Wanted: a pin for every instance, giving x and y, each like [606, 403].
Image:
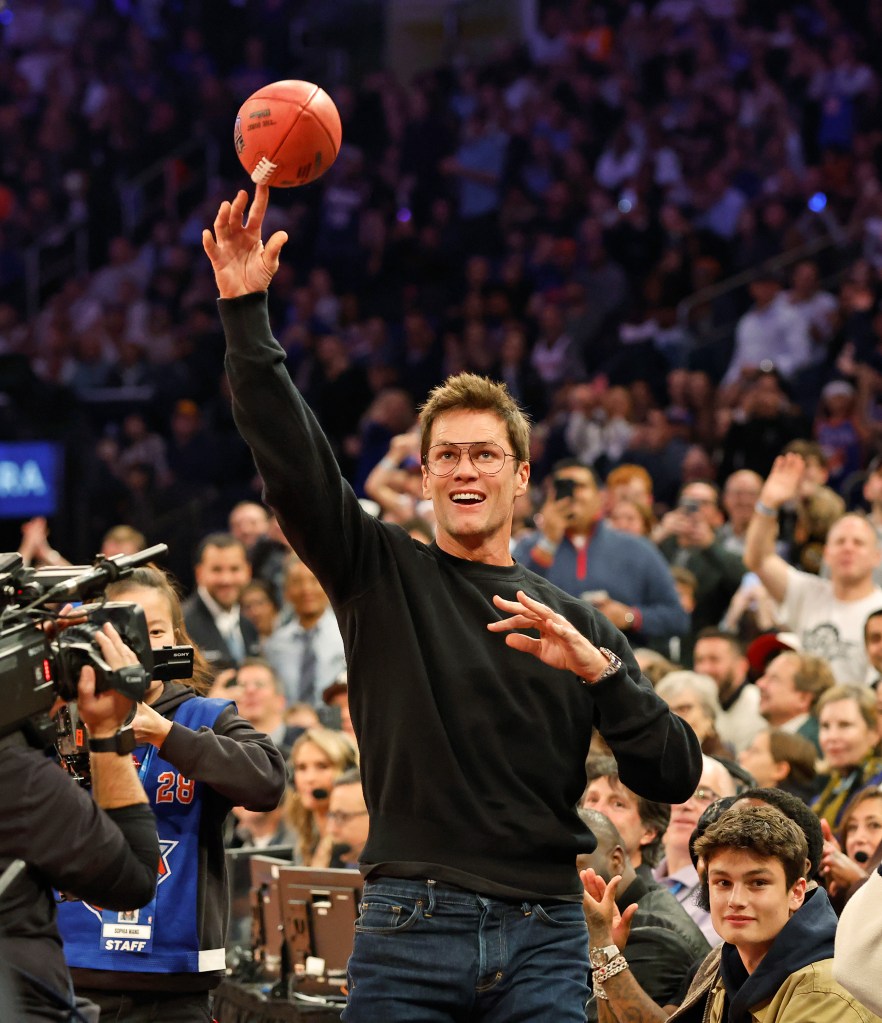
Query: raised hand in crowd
[782, 483]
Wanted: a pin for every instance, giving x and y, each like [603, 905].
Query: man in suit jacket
[212, 614]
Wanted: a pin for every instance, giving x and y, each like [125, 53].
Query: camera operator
[100, 847]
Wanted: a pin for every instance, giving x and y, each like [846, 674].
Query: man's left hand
[560, 644]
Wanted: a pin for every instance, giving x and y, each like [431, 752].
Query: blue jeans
[430, 953]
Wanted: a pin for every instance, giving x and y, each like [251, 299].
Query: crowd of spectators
[541, 215]
[546, 216]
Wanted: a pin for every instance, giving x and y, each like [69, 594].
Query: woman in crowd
[695, 698]
[849, 736]
[630, 516]
[197, 759]
[318, 757]
[783, 760]
[848, 861]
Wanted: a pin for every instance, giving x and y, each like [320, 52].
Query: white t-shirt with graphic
[827, 627]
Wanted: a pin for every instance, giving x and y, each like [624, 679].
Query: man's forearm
[759, 541]
[628, 1002]
[115, 781]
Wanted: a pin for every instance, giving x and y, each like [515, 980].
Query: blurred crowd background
[659, 222]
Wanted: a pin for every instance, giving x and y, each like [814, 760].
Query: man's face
[613, 800]
[740, 495]
[348, 818]
[257, 698]
[780, 700]
[248, 524]
[717, 657]
[750, 901]
[223, 571]
[706, 498]
[304, 593]
[341, 700]
[873, 640]
[852, 551]
[684, 816]
[474, 510]
[587, 500]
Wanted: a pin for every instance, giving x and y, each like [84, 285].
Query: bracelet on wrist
[600, 976]
[766, 510]
[388, 463]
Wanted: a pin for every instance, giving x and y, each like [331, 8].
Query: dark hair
[262, 662]
[793, 807]
[873, 614]
[264, 587]
[574, 463]
[153, 578]
[652, 815]
[807, 449]
[761, 830]
[712, 632]
[352, 776]
[222, 540]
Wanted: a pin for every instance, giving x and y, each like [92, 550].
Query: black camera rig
[41, 657]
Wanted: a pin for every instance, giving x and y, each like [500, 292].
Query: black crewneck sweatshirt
[472, 753]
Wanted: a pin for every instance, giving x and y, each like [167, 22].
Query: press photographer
[102, 847]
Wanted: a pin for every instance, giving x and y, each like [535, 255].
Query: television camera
[41, 656]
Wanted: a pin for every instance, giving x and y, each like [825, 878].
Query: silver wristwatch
[600, 957]
[615, 662]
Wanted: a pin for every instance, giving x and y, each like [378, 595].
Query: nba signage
[29, 478]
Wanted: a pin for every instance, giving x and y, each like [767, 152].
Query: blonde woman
[317, 757]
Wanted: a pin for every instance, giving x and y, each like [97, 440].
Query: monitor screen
[30, 478]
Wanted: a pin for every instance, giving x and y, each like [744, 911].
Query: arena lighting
[403, 216]
[817, 202]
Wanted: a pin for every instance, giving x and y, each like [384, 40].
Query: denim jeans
[427, 953]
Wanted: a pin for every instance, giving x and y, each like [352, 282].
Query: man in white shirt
[827, 615]
[307, 653]
[770, 331]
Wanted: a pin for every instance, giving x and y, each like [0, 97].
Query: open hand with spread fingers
[242, 263]
[560, 644]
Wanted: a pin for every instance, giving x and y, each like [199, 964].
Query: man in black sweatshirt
[472, 753]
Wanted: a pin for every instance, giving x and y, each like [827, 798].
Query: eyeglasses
[488, 458]
[344, 816]
[703, 794]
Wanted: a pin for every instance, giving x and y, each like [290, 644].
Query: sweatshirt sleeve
[238, 762]
[62, 833]
[658, 754]
[317, 509]
[857, 960]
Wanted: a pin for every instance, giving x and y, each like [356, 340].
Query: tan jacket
[809, 995]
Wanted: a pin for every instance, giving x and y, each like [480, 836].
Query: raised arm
[781, 485]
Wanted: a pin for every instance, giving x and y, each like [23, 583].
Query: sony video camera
[40, 661]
